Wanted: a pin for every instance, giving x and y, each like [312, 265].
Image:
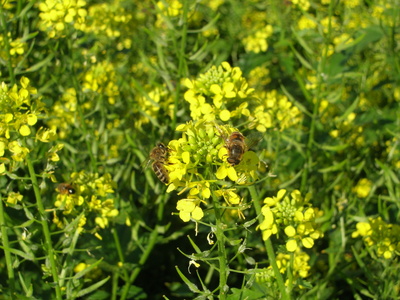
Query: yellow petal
[307, 242]
[291, 245]
[24, 130]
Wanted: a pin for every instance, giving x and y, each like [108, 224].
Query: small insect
[237, 145]
[236, 148]
[66, 189]
[159, 155]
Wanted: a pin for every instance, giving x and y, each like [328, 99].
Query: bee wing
[145, 164]
[253, 139]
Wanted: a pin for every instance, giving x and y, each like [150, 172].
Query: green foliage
[280, 122]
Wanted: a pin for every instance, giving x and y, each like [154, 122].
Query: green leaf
[88, 269]
[334, 167]
[40, 64]
[92, 287]
[189, 284]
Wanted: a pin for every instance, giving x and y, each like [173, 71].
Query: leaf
[88, 269]
[302, 60]
[302, 42]
[334, 167]
[92, 287]
[40, 64]
[189, 284]
[27, 289]
[27, 256]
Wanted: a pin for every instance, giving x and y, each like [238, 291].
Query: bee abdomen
[160, 171]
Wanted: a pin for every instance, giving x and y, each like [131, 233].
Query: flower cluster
[92, 201]
[171, 8]
[64, 113]
[198, 160]
[363, 188]
[109, 22]
[221, 93]
[275, 111]
[257, 41]
[384, 238]
[295, 215]
[101, 78]
[56, 15]
[300, 268]
[17, 48]
[19, 112]
[149, 106]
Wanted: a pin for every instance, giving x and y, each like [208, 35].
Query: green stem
[269, 247]
[152, 242]
[48, 246]
[315, 113]
[4, 28]
[7, 253]
[119, 250]
[182, 62]
[222, 258]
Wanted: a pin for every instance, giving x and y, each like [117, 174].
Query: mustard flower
[294, 215]
[363, 188]
[199, 159]
[55, 15]
[111, 22]
[300, 266]
[64, 113]
[14, 198]
[149, 106]
[302, 4]
[217, 93]
[17, 47]
[275, 111]
[101, 78]
[380, 236]
[93, 202]
[190, 209]
[257, 41]
[306, 22]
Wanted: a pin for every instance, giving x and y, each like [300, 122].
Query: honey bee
[236, 148]
[66, 189]
[237, 145]
[159, 155]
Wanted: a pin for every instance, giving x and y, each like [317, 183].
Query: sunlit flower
[363, 188]
[55, 15]
[93, 202]
[384, 238]
[190, 209]
[217, 93]
[294, 215]
[14, 198]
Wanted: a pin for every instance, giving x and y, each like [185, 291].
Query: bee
[66, 189]
[159, 155]
[237, 145]
[236, 148]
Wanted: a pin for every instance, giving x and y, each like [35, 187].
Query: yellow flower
[189, 208]
[13, 198]
[363, 188]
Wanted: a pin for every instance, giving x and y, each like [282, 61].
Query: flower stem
[152, 242]
[220, 236]
[7, 253]
[269, 247]
[48, 246]
[3, 23]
